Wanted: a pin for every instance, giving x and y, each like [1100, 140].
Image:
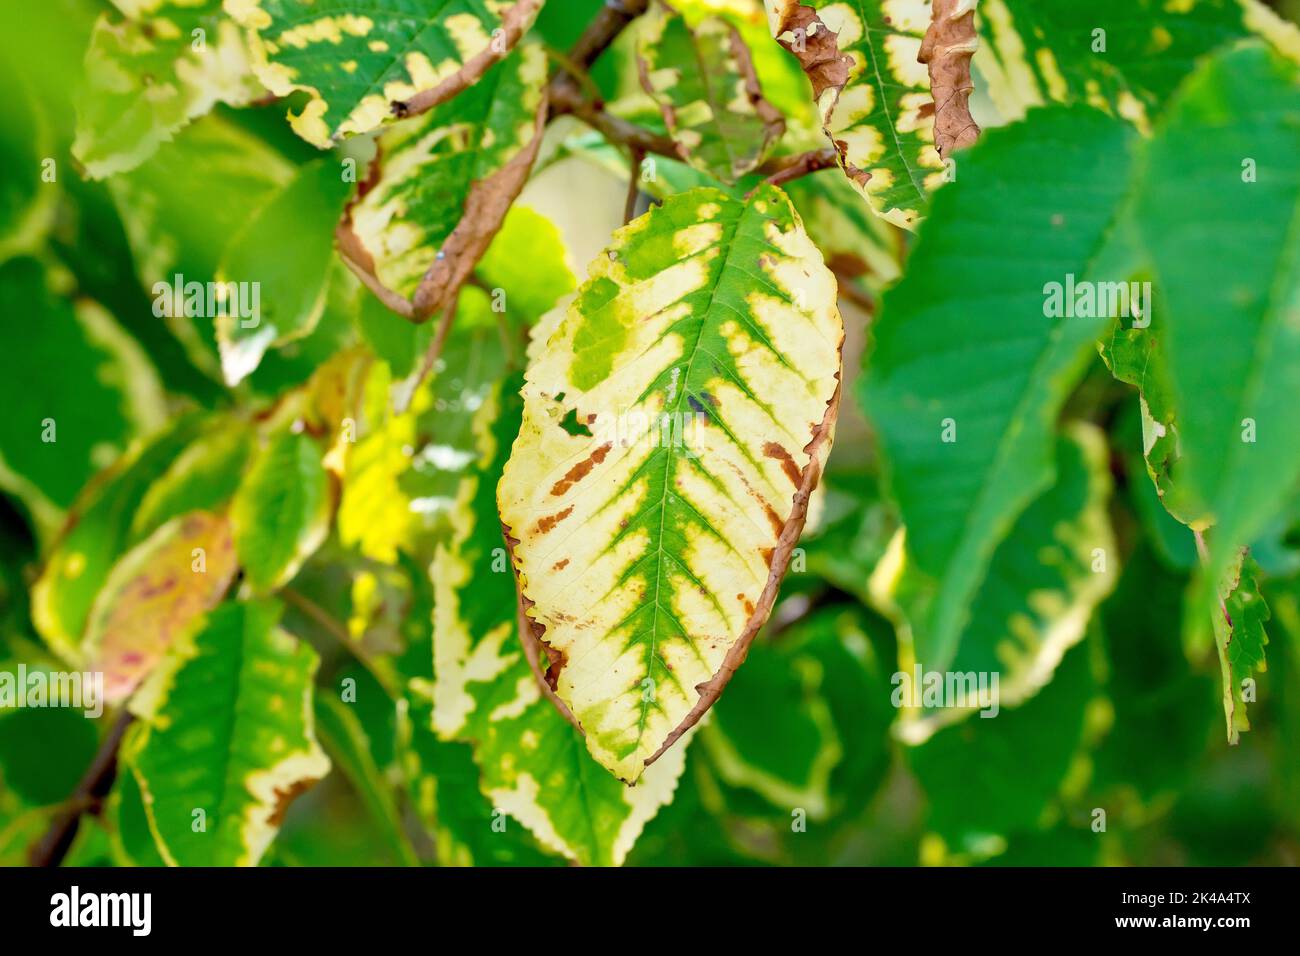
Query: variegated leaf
[864, 60]
[1240, 638]
[361, 64]
[226, 738]
[149, 75]
[154, 595]
[675, 424]
[1125, 56]
[702, 77]
[1057, 563]
[533, 761]
[281, 512]
[446, 181]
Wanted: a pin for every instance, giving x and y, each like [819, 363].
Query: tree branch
[94, 785]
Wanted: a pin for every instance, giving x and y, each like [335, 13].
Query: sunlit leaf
[675, 424]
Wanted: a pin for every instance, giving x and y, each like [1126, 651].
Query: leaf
[281, 513]
[1233, 393]
[964, 770]
[203, 477]
[649, 555]
[96, 536]
[873, 94]
[227, 730]
[1127, 56]
[361, 64]
[702, 77]
[53, 440]
[346, 742]
[149, 75]
[445, 183]
[533, 762]
[966, 347]
[180, 209]
[283, 256]
[27, 200]
[946, 50]
[1240, 638]
[1045, 578]
[154, 595]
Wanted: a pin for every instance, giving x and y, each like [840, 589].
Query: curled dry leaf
[866, 61]
[949, 44]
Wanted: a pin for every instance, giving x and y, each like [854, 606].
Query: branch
[94, 785]
[783, 169]
[604, 29]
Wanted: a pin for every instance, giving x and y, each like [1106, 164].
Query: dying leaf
[534, 763]
[702, 77]
[675, 425]
[362, 64]
[154, 595]
[946, 51]
[873, 92]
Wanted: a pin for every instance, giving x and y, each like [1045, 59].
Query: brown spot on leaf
[775, 450]
[285, 797]
[560, 565]
[580, 470]
[550, 521]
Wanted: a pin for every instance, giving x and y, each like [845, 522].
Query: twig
[633, 185]
[94, 785]
[785, 168]
[604, 29]
[327, 623]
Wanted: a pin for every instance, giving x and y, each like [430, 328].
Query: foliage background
[1131, 721]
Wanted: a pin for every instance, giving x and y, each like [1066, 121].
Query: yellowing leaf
[675, 424]
[154, 595]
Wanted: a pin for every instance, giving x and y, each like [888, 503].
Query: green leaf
[356, 60]
[702, 78]
[151, 74]
[965, 769]
[226, 738]
[1240, 638]
[440, 175]
[1043, 582]
[1239, 114]
[873, 91]
[203, 477]
[27, 196]
[181, 208]
[347, 744]
[533, 761]
[970, 367]
[805, 723]
[97, 535]
[52, 439]
[281, 513]
[1126, 56]
[283, 257]
[154, 595]
[653, 508]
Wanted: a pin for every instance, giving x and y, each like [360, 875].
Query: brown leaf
[947, 49]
